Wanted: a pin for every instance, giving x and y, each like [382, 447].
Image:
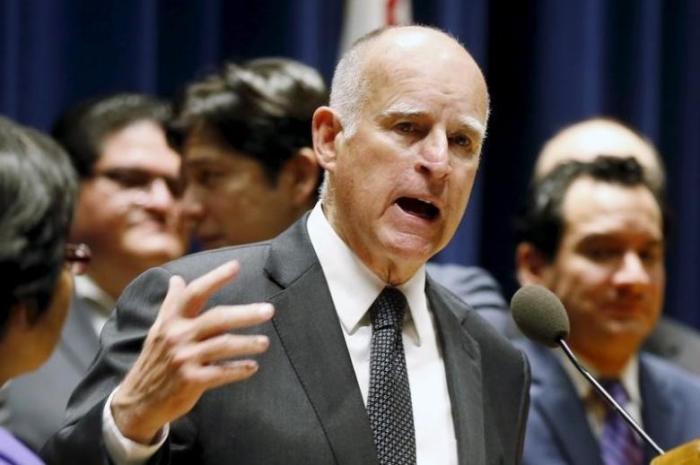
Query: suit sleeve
[80, 439]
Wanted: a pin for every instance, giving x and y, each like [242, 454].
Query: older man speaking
[365, 360]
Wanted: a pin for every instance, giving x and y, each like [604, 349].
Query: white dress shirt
[103, 304]
[353, 288]
[595, 407]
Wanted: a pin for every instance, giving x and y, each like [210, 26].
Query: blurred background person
[594, 233]
[38, 187]
[128, 214]
[582, 141]
[245, 136]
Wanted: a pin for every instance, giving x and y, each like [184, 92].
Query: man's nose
[632, 271]
[159, 195]
[434, 156]
[192, 207]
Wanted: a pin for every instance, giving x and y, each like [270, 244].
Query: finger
[173, 298]
[212, 376]
[225, 318]
[201, 289]
[223, 348]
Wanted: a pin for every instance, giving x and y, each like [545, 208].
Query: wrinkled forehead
[419, 71]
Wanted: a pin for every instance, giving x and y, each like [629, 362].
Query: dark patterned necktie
[619, 445]
[389, 398]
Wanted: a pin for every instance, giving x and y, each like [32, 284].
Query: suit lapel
[78, 340]
[311, 334]
[555, 397]
[659, 413]
[463, 370]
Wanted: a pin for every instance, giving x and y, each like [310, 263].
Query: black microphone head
[540, 315]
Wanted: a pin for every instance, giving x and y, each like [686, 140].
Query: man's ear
[299, 176]
[532, 266]
[325, 128]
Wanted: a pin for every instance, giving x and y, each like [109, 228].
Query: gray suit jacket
[37, 401]
[670, 339]
[558, 432]
[304, 405]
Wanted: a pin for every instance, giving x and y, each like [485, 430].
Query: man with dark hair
[245, 136]
[38, 188]
[365, 361]
[127, 213]
[594, 234]
[581, 141]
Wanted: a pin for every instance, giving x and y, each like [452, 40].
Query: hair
[38, 188]
[82, 129]
[262, 108]
[541, 222]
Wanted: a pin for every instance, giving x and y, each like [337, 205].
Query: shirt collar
[629, 378]
[353, 286]
[88, 289]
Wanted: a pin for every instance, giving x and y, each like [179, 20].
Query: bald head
[376, 58]
[404, 132]
[586, 140]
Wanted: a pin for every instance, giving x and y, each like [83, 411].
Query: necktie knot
[616, 389]
[388, 309]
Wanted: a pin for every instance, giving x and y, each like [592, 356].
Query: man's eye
[405, 127]
[461, 140]
[206, 177]
[127, 179]
[603, 253]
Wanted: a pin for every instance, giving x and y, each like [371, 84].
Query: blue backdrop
[547, 62]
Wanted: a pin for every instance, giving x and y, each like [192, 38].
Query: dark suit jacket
[670, 339]
[558, 432]
[37, 401]
[304, 405]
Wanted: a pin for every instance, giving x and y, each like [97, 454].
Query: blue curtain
[548, 63]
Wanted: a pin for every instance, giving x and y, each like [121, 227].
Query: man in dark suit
[582, 141]
[400, 146]
[593, 233]
[128, 214]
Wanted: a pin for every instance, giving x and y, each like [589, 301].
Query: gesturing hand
[187, 352]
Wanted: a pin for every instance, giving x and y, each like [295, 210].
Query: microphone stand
[630, 421]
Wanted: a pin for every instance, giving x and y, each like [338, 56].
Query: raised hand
[187, 352]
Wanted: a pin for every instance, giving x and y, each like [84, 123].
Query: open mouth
[419, 208]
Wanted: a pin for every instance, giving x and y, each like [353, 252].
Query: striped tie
[619, 445]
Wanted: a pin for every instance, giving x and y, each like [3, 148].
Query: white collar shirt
[595, 409]
[102, 304]
[353, 288]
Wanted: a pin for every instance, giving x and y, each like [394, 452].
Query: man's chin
[157, 249]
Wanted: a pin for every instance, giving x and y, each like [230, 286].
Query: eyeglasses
[129, 178]
[77, 257]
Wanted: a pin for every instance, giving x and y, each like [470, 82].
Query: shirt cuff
[122, 450]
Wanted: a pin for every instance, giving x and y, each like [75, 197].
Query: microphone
[541, 316]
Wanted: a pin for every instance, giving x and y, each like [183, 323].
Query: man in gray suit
[127, 213]
[400, 146]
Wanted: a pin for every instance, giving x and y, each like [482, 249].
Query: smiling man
[128, 214]
[593, 233]
[366, 360]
